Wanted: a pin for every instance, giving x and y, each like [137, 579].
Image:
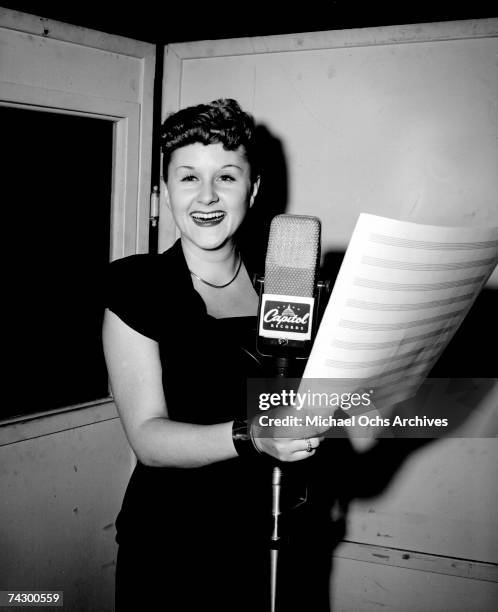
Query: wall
[400, 122]
[63, 474]
[61, 492]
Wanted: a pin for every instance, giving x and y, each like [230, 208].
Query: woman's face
[209, 191]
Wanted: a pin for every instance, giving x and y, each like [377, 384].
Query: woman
[179, 335]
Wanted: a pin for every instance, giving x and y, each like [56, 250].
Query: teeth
[212, 215]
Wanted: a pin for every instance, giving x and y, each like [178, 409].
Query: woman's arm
[136, 380]
[135, 373]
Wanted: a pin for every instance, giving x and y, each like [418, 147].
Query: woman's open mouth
[208, 219]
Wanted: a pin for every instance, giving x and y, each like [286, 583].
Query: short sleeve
[130, 293]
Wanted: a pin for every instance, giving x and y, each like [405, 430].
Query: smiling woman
[210, 170]
[209, 191]
[197, 509]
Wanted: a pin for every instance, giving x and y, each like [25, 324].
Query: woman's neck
[215, 266]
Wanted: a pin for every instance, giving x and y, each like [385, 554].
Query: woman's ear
[254, 192]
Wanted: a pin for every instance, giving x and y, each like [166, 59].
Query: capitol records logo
[286, 316]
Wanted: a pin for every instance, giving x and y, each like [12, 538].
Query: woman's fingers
[290, 449]
[307, 446]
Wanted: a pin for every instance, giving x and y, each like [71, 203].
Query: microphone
[287, 307]
[286, 319]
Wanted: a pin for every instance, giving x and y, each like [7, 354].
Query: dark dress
[192, 539]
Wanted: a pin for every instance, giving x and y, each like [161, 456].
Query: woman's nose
[207, 193]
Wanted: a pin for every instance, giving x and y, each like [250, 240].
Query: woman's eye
[227, 178]
[188, 178]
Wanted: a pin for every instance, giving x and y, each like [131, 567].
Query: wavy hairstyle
[220, 121]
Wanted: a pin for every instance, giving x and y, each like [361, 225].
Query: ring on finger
[309, 446]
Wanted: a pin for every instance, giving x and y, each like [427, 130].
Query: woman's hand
[288, 449]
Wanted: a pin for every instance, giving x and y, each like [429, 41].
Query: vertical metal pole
[276, 483]
[282, 367]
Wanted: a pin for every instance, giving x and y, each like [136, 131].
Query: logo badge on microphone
[286, 317]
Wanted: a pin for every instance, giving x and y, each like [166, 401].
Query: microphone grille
[292, 255]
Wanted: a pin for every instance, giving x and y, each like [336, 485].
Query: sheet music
[402, 292]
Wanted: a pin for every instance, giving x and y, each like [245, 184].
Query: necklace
[219, 286]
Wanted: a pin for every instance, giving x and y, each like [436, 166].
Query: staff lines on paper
[440, 246]
[401, 293]
[400, 384]
[354, 303]
[418, 367]
[425, 267]
[401, 325]
[386, 360]
[344, 344]
[413, 370]
[374, 284]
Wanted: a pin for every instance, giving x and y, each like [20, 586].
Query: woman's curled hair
[220, 121]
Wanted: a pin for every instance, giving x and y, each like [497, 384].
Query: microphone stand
[282, 365]
[275, 483]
